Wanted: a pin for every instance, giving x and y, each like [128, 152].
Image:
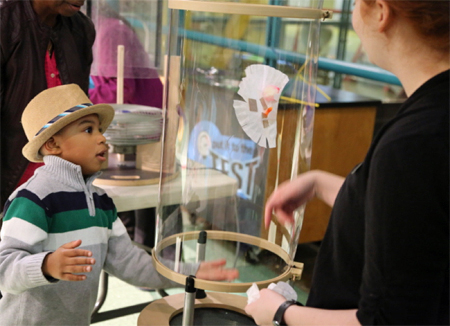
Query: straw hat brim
[105, 114]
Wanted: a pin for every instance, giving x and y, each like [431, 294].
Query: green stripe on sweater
[80, 219]
[29, 211]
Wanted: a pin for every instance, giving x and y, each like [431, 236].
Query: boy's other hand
[214, 271]
[63, 263]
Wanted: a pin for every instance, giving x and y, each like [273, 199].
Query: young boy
[58, 228]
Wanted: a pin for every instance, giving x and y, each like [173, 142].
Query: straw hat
[53, 109]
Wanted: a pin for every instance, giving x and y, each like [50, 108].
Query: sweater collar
[67, 172]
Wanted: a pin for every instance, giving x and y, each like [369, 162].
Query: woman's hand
[290, 195]
[263, 310]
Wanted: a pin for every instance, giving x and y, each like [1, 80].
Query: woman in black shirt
[385, 256]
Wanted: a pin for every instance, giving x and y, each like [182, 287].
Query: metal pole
[201, 249]
[189, 301]
[201, 246]
[273, 30]
[342, 43]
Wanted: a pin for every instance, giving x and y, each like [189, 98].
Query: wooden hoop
[160, 312]
[216, 285]
[250, 9]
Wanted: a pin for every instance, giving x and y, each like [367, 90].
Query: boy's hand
[214, 271]
[66, 260]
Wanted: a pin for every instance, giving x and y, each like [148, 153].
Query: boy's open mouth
[102, 154]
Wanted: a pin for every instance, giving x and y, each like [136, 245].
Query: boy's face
[83, 143]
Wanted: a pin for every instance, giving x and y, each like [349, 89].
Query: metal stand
[191, 293]
[201, 252]
[189, 300]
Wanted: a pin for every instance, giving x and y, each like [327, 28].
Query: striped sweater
[54, 207]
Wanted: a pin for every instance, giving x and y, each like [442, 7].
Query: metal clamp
[296, 271]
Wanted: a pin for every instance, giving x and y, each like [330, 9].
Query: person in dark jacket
[43, 43]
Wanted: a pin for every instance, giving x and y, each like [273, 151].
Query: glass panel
[126, 72]
[238, 122]
[134, 24]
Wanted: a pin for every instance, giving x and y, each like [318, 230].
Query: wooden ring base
[160, 312]
[230, 236]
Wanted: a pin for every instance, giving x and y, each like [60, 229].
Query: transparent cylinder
[238, 121]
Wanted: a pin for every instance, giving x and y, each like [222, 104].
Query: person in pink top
[141, 81]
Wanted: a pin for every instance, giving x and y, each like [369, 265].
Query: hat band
[64, 114]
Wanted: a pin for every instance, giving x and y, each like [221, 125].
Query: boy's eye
[88, 130]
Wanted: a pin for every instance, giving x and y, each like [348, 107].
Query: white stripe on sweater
[30, 234]
[118, 228]
[90, 236]
[23, 231]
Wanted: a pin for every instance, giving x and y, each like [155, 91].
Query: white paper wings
[257, 114]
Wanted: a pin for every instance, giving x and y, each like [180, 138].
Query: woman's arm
[263, 311]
